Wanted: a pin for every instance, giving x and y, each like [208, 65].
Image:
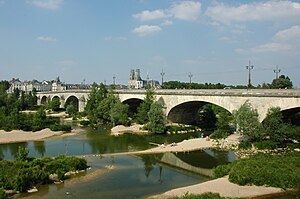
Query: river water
[121, 176]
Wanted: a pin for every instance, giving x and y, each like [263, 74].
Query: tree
[54, 104]
[119, 113]
[207, 117]
[71, 110]
[282, 82]
[274, 127]
[247, 122]
[97, 94]
[156, 118]
[22, 154]
[142, 111]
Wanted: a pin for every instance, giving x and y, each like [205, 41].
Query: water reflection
[91, 142]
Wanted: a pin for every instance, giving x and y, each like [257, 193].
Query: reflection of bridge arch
[72, 100]
[187, 112]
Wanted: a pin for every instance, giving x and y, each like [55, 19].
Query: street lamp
[249, 68]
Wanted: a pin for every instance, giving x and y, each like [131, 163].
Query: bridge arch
[188, 112]
[44, 100]
[72, 100]
[55, 97]
[133, 103]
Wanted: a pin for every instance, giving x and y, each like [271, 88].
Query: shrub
[266, 144]
[219, 134]
[222, 170]
[207, 195]
[60, 128]
[280, 170]
[2, 193]
[245, 145]
[84, 122]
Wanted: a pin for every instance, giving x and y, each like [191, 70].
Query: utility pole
[249, 68]
[190, 76]
[162, 76]
[114, 80]
[276, 71]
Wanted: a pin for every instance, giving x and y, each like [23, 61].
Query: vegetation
[207, 195]
[247, 122]
[272, 133]
[187, 85]
[207, 117]
[11, 117]
[25, 172]
[104, 107]
[280, 170]
[282, 82]
[156, 118]
[141, 116]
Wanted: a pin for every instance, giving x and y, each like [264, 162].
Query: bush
[265, 145]
[245, 145]
[222, 170]
[207, 195]
[60, 128]
[21, 175]
[219, 134]
[281, 170]
[2, 193]
[84, 122]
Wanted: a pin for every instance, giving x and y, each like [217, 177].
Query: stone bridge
[185, 103]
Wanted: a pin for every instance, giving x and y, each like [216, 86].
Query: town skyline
[99, 40]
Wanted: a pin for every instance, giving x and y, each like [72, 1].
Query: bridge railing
[199, 92]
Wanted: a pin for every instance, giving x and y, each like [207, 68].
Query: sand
[224, 188]
[120, 129]
[22, 136]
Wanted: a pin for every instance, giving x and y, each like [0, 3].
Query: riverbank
[224, 188]
[25, 136]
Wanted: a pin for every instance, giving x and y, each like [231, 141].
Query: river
[121, 176]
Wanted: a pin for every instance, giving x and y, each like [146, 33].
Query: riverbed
[121, 176]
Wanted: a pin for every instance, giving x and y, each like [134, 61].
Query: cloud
[289, 35]
[166, 23]
[47, 4]
[147, 15]
[146, 29]
[186, 10]
[46, 38]
[283, 41]
[262, 11]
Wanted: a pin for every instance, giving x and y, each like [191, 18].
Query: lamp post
[249, 68]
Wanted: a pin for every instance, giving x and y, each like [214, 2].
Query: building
[136, 82]
[29, 86]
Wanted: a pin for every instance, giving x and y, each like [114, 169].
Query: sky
[96, 40]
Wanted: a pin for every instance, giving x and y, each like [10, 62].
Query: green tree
[282, 82]
[119, 113]
[207, 117]
[71, 110]
[247, 121]
[54, 104]
[156, 118]
[97, 94]
[22, 154]
[142, 111]
[274, 128]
